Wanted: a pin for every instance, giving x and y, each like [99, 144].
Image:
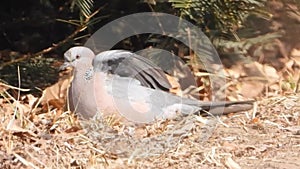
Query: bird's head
[76, 56]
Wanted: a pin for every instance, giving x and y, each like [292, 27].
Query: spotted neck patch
[88, 75]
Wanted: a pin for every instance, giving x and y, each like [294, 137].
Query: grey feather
[127, 64]
[130, 85]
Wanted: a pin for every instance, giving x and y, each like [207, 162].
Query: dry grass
[39, 134]
[34, 136]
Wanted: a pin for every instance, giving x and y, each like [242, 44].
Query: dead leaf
[265, 72]
[15, 127]
[254, 120]
[56, 93]
[252, 89]
[30, 99]
[295, 53]
[73, 129]
[175, 86]
[56, 103]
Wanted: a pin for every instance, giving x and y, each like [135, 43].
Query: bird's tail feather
[221, 107]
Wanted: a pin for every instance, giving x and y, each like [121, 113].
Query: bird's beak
[65, 66]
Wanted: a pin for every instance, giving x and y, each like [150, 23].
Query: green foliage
[220, 20]
[84, 6]
[221, 15]
[242, 46]
[224, 21]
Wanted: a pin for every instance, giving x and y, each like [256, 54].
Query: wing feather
[127, 64]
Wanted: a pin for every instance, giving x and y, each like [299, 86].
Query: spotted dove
[118, 81]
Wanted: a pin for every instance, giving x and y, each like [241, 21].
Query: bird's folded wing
[127, 64]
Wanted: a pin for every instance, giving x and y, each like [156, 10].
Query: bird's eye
[77, 56]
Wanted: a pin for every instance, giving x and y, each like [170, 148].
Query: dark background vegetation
[29, 27]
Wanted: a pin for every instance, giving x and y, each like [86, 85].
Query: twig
[13, 87]
[157, 19]
[12, 120]
[47, 50]
[25, 162]
[54, 46]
